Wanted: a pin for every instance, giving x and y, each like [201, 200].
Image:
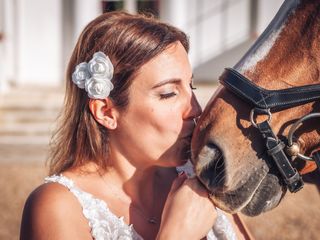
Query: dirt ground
[16, 182]
[297, 217]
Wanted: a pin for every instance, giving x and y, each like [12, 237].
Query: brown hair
[130, 41]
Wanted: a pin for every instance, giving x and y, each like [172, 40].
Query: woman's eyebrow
[172, 80]
[167, 81]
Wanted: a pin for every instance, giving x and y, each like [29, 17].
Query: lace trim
[103, 223]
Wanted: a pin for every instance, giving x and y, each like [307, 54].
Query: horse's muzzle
[210, 167]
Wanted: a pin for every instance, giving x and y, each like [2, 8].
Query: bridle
[266, 101]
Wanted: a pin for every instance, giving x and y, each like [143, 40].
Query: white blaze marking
[261, 53]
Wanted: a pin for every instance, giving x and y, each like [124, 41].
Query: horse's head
[229, 153]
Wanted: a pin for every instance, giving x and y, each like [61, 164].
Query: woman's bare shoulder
[48, 190]
[52, 210]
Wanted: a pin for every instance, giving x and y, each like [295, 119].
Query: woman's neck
[139, 184]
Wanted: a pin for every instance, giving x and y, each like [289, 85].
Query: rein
[266, 101]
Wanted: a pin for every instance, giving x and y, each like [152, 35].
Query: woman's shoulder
[47, 210]
[50, 195]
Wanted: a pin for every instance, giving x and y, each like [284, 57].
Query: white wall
[7, 45]
[2, 52]
[39, 40]
[266, 11]
[34, 49]
[213, 26]
[220, 30]
[85, 11]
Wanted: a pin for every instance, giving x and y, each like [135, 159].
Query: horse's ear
[104, 112]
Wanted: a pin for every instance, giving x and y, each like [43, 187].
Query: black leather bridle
[266, 101]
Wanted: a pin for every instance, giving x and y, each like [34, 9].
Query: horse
[257, 134]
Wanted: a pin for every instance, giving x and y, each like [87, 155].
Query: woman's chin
[176, 162]
[176, 156]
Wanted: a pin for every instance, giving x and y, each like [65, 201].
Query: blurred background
[36, 40]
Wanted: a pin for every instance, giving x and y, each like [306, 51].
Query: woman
[126, 125]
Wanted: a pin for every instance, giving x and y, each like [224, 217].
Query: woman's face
[157, 125]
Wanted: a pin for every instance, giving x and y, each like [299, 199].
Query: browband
[268, 99]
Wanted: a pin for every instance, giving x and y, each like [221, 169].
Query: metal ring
[294, 127]
[261, 111]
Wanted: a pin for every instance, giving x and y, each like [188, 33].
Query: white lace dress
[106, 225]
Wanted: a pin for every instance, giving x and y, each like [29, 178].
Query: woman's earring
[112, 124]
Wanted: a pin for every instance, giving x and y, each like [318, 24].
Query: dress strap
[68, 183]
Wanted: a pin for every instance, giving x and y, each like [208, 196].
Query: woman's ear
[104, 112]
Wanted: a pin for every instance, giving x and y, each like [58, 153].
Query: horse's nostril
[210, 167]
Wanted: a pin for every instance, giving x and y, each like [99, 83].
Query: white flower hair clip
[95, 76]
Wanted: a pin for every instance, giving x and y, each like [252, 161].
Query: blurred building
[37, 36]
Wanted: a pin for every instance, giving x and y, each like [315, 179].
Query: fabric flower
[95, 76]
[80, 74]
[98, 88]
[100, 66]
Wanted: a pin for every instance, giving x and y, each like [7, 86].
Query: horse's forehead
[260, 54]
[264, 43]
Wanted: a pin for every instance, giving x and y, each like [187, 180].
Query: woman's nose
[194, 109]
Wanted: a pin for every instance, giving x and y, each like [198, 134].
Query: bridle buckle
[260, 111]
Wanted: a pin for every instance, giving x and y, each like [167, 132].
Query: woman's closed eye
[167, 95]
[172, 94]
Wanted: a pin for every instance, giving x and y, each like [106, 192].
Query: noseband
[266, 101]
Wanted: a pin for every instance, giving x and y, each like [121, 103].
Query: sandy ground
[16, 182]
[297, 217]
